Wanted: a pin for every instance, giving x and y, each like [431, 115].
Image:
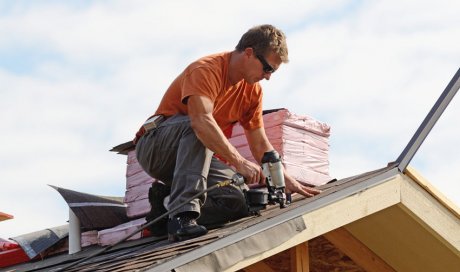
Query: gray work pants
[173, 154]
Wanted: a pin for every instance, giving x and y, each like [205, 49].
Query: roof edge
[428, 187]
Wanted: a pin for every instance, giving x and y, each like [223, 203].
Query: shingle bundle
[302, 142]
[110, 236]
[115, 234]
[138, 183]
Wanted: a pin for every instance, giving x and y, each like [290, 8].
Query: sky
[79, 77]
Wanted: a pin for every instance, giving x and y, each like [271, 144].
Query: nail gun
[257, 199]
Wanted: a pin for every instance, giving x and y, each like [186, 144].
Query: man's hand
[293, 186]
[250, 171]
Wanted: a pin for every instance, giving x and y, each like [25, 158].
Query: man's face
[261, 67]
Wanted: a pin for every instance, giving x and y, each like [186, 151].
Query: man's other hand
[293, 186]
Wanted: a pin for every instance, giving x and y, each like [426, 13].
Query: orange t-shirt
[208, 77]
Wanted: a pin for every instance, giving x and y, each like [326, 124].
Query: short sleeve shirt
[208, 76]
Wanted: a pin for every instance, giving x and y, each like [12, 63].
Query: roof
[151, 252]
[354, 203]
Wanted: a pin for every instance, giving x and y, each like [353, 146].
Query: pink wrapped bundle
[302, 141]
[138, 208]
[115, 234]
[88, 238]
[138, 183]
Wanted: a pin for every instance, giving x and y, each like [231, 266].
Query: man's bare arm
[208, 132]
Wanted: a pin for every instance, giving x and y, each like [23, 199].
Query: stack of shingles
[302, 142]
[115, 234]
[110, 236]
[138, 183]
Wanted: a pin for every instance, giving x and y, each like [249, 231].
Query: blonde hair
[264, 39]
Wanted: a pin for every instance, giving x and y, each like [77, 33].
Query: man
[200, 105]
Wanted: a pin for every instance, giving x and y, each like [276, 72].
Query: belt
[153, 122]
[148, 126]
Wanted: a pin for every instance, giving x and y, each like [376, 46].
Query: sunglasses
[268, 69]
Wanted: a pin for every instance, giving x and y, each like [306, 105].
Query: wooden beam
[417, 177]
[257, 267]
[300, 258]
[441, 221]
[357, 251]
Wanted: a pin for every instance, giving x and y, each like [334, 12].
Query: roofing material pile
[138, 183]
[110, 236]
[302, 142]
[113, 235]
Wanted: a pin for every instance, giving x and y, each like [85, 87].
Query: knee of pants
[229, 198]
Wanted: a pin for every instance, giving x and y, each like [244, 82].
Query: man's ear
[248, 51]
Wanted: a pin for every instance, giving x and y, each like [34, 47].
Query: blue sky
[79, 77]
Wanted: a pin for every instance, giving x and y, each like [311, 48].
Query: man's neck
[235, 73]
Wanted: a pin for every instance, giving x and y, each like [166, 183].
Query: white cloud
[93, 72]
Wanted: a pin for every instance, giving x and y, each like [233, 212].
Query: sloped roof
[151, 252]
[251, 239]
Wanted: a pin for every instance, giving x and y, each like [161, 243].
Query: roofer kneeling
[197, 113]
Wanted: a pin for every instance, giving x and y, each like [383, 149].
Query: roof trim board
[315, 203]
[251, 246]
[432, 214]
[429, 122]
[415, 176]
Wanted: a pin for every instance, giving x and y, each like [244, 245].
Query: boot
[157, 193]
[183, 226]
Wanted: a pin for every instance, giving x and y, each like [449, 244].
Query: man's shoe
[157, 193]
[183, 227]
